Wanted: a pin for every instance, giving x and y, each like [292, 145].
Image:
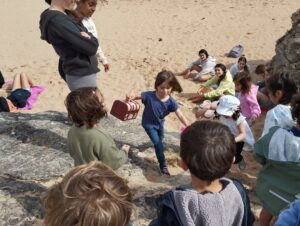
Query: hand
[130, 96]
[200, 91]
[187, 75]
[125, 148]
[106, 67]
[86, 35]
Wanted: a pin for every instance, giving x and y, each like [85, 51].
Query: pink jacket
[249, 105]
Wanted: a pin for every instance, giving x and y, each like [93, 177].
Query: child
[158, 104]
[279, 153]
[240, 66]
[229, 111]
[20, 92]
[89, 194]
[222, 79]
[86, 142]
[204, 66]
[86, 9]
[248, 92]
[281, 88]
[262, 94]
[207, 150]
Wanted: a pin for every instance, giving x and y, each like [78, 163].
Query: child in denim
[158, 104]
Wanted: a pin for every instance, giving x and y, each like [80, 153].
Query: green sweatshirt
[225, 87]
[278, 182]
[86, 145]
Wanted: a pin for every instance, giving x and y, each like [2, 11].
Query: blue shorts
[19, 97]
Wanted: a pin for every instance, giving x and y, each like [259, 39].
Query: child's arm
[242, 134]
[181, 117]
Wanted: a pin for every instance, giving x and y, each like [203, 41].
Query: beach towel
[35, 92]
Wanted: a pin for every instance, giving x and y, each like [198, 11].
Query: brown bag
[125, 110]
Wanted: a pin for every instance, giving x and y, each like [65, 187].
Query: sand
[142, 37]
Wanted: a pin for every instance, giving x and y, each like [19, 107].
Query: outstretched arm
[181, 117]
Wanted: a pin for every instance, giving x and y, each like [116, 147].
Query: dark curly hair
[208, 149]
[84, 107]
[295, 108]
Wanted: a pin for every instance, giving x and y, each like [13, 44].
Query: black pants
[238, 152]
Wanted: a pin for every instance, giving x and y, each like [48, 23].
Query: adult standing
[75, 46]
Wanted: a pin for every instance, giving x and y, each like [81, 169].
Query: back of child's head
[295, 108]
[208, 149]
[89, 194]
[244, 79]
[3, 105]
[260, 69]
[85, 106]
[169, 78]
[283, 82]
[203, 51]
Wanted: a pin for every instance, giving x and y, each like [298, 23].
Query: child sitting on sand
[240, 66]
[228, 110]
[89, 194]
[20, 91]
[247, 95]
[278, 151]
[204, 66]
[86, 142]
[222, 79]
[207, 150]
[158, 104]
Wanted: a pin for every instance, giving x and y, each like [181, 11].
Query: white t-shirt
[233, 126]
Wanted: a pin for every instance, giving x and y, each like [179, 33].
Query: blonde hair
[90, 194]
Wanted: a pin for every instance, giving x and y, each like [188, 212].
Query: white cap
[228, 105]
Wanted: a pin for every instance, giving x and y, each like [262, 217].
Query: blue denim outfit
[157, 136]
[153, 120]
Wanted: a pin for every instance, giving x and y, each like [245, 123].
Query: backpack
[236, 51]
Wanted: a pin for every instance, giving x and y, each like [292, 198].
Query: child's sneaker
[165, 172]
[242, 165]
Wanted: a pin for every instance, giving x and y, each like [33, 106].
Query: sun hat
[228, 105]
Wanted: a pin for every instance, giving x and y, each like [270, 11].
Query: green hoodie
[278, 182]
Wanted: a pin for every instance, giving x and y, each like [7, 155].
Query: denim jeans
[157, 136]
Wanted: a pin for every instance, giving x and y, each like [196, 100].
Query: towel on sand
[35, 92]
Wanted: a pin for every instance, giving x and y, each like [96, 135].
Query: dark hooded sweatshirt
[76, 52]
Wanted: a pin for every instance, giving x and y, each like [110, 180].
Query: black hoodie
[76, 52]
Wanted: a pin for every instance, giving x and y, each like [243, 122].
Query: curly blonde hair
[90, 194]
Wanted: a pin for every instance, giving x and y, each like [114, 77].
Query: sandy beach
[142, 37]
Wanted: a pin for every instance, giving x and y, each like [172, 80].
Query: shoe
[165, 172]
[242, 165]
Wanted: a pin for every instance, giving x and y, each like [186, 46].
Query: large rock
[33, 154]
[287, 58]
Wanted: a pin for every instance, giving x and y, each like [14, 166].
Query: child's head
[208, 149]
[295, 108]
[87, 7]
[167, 80]
[229, 107]
[85, 106]
[220, 71]
[242, 63]
[281, 87]
[263, 70]
[4, 105]
[242, 82]
[203, 54]
[89, 194]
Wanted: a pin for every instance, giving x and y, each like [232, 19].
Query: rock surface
[287, 56]
[34, 155]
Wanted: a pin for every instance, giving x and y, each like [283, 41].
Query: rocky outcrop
[287, 58]
[34, 155]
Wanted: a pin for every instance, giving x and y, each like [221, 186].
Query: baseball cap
[228, 105]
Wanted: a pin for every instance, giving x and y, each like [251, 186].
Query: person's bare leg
[25, 81]
[265, 217]
[204, 78]
[16, 82]
[186, 73]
